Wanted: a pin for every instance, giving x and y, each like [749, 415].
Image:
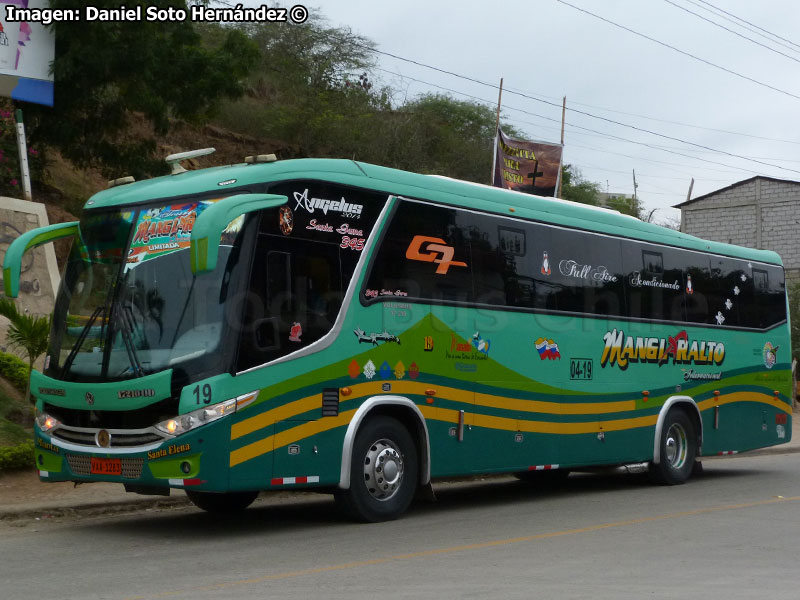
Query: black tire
[383, 472]
[551, 478]
[222, 503]
[678, 446]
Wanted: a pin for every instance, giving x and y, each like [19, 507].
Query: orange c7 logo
[435, 251]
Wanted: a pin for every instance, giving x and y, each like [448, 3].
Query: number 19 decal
[206, 394]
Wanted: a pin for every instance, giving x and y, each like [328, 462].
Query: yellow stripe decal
[284, 438]
[431, 413]
[745, 397]
[360, 390]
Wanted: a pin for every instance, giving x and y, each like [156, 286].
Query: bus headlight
[197, 418]
[45, 422]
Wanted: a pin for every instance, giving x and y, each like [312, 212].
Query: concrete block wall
[759, 213]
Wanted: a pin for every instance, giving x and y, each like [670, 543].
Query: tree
[626, 205]
[26, 333]
[106, 72]
[312, 88]
[437, 134]
[577, 189]
[794, 317]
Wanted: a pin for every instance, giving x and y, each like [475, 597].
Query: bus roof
[436, 188]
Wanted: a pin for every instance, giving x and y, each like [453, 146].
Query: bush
[15, 370]
[15, 458]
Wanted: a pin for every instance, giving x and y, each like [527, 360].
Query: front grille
[119, 439]
[140, 418]
[132, 467]
[82, 465]
[76, 437]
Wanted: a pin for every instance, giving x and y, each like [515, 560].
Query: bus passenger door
[450, 412]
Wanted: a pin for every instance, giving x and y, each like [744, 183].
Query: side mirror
[12, 263]
[207, 229]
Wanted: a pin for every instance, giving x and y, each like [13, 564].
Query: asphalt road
[732, 533]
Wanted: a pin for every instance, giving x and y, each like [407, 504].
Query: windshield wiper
[126, 327]
[76, 348]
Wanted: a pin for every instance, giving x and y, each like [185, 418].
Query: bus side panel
[250, 459]
[312, 459]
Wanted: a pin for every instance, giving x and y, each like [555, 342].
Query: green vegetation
[17, 457]
[16, 416]
[574, 187]
[110, 77]
[26, 333]
[299, 90]
[14, 370]
[794, 317]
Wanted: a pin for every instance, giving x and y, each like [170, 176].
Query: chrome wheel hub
[383, 469]
[676, 446]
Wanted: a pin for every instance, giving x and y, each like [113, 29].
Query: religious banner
[530, 167]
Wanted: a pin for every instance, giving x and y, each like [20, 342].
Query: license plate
[106, 466]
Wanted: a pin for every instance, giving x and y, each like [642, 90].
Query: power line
[588, 114]
[749, 23]
[663, 162]
[588, 166]
[607, 135]
[669, 122]
[678, 50]
[743, 26]
[728, 29]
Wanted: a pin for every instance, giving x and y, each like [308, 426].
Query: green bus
[360, 330]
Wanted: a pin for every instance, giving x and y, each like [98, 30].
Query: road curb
[117, 507]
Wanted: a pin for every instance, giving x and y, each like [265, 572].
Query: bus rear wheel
[383, 472]
[221, 503]
[678, 446]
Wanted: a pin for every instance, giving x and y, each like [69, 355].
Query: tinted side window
[305, 255]
[698, 286]
[728, 291]
[506, 262]
[445, 254]
[586, 273]
[654, 281]
[769, 292]
[425, 253]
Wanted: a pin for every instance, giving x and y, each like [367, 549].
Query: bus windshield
[130, 305]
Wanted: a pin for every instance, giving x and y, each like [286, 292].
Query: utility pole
[496, 133]
[22, 148]
[563, 116]
[634, 185]
[688, 197]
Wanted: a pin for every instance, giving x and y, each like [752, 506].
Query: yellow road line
[464, 548]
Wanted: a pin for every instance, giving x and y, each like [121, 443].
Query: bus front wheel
[222, 503]
[383, 472]
[678, 446]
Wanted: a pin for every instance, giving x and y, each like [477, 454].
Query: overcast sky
[548, 49]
